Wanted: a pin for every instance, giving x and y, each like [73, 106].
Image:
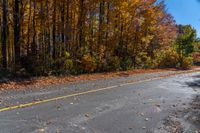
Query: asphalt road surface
[143, 103]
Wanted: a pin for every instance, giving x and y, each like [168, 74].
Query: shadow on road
[194, 84]
[192, 114]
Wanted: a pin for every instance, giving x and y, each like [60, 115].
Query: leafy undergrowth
[21, 83]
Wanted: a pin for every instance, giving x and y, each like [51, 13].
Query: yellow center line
[86, 92]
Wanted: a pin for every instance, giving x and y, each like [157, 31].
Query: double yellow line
[83, 93]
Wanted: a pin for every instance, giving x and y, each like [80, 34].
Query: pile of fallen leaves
[192, 114]
[173, 125]
[196, 110]
[53, 80]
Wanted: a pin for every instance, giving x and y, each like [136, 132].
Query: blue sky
[185, 12]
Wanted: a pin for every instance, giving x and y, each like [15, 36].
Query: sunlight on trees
[97, 35]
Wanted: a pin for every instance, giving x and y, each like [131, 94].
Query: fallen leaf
[174, 105]
[58, 108]
[158, 105]
[41, 130]
[57, 131]
[158, 109]
[142, 114]
[131, 127]
[87, 115]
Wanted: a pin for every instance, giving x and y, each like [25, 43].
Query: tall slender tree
[4, 34]
[17, 25]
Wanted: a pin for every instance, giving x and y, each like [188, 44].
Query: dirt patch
[193, 112]
[185, 119]
[172, 124]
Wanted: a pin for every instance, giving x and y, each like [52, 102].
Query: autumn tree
[79, 36]
[185, 42]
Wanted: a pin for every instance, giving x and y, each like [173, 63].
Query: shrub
[187, 62]
[126, 63]
[167, 58]
[150, 63]
[145, 61]
[63, 65]
[88, 63]
[5, 75]
[113, 63]
[32, 64]
[68, 64]
[196, 58]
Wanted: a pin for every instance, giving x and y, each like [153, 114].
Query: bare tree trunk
[16, 17]
[4, 34]
[54, 31]
[108, 21]
[34, 46]
[101, 21]
[67, 32]
[80, 23]
[29, 28]
[63, 26]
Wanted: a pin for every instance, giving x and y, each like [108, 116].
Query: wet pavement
[166, 105]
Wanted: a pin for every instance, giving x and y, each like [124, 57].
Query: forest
[53, 37]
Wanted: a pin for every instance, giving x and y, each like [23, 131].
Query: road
[143, 103]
